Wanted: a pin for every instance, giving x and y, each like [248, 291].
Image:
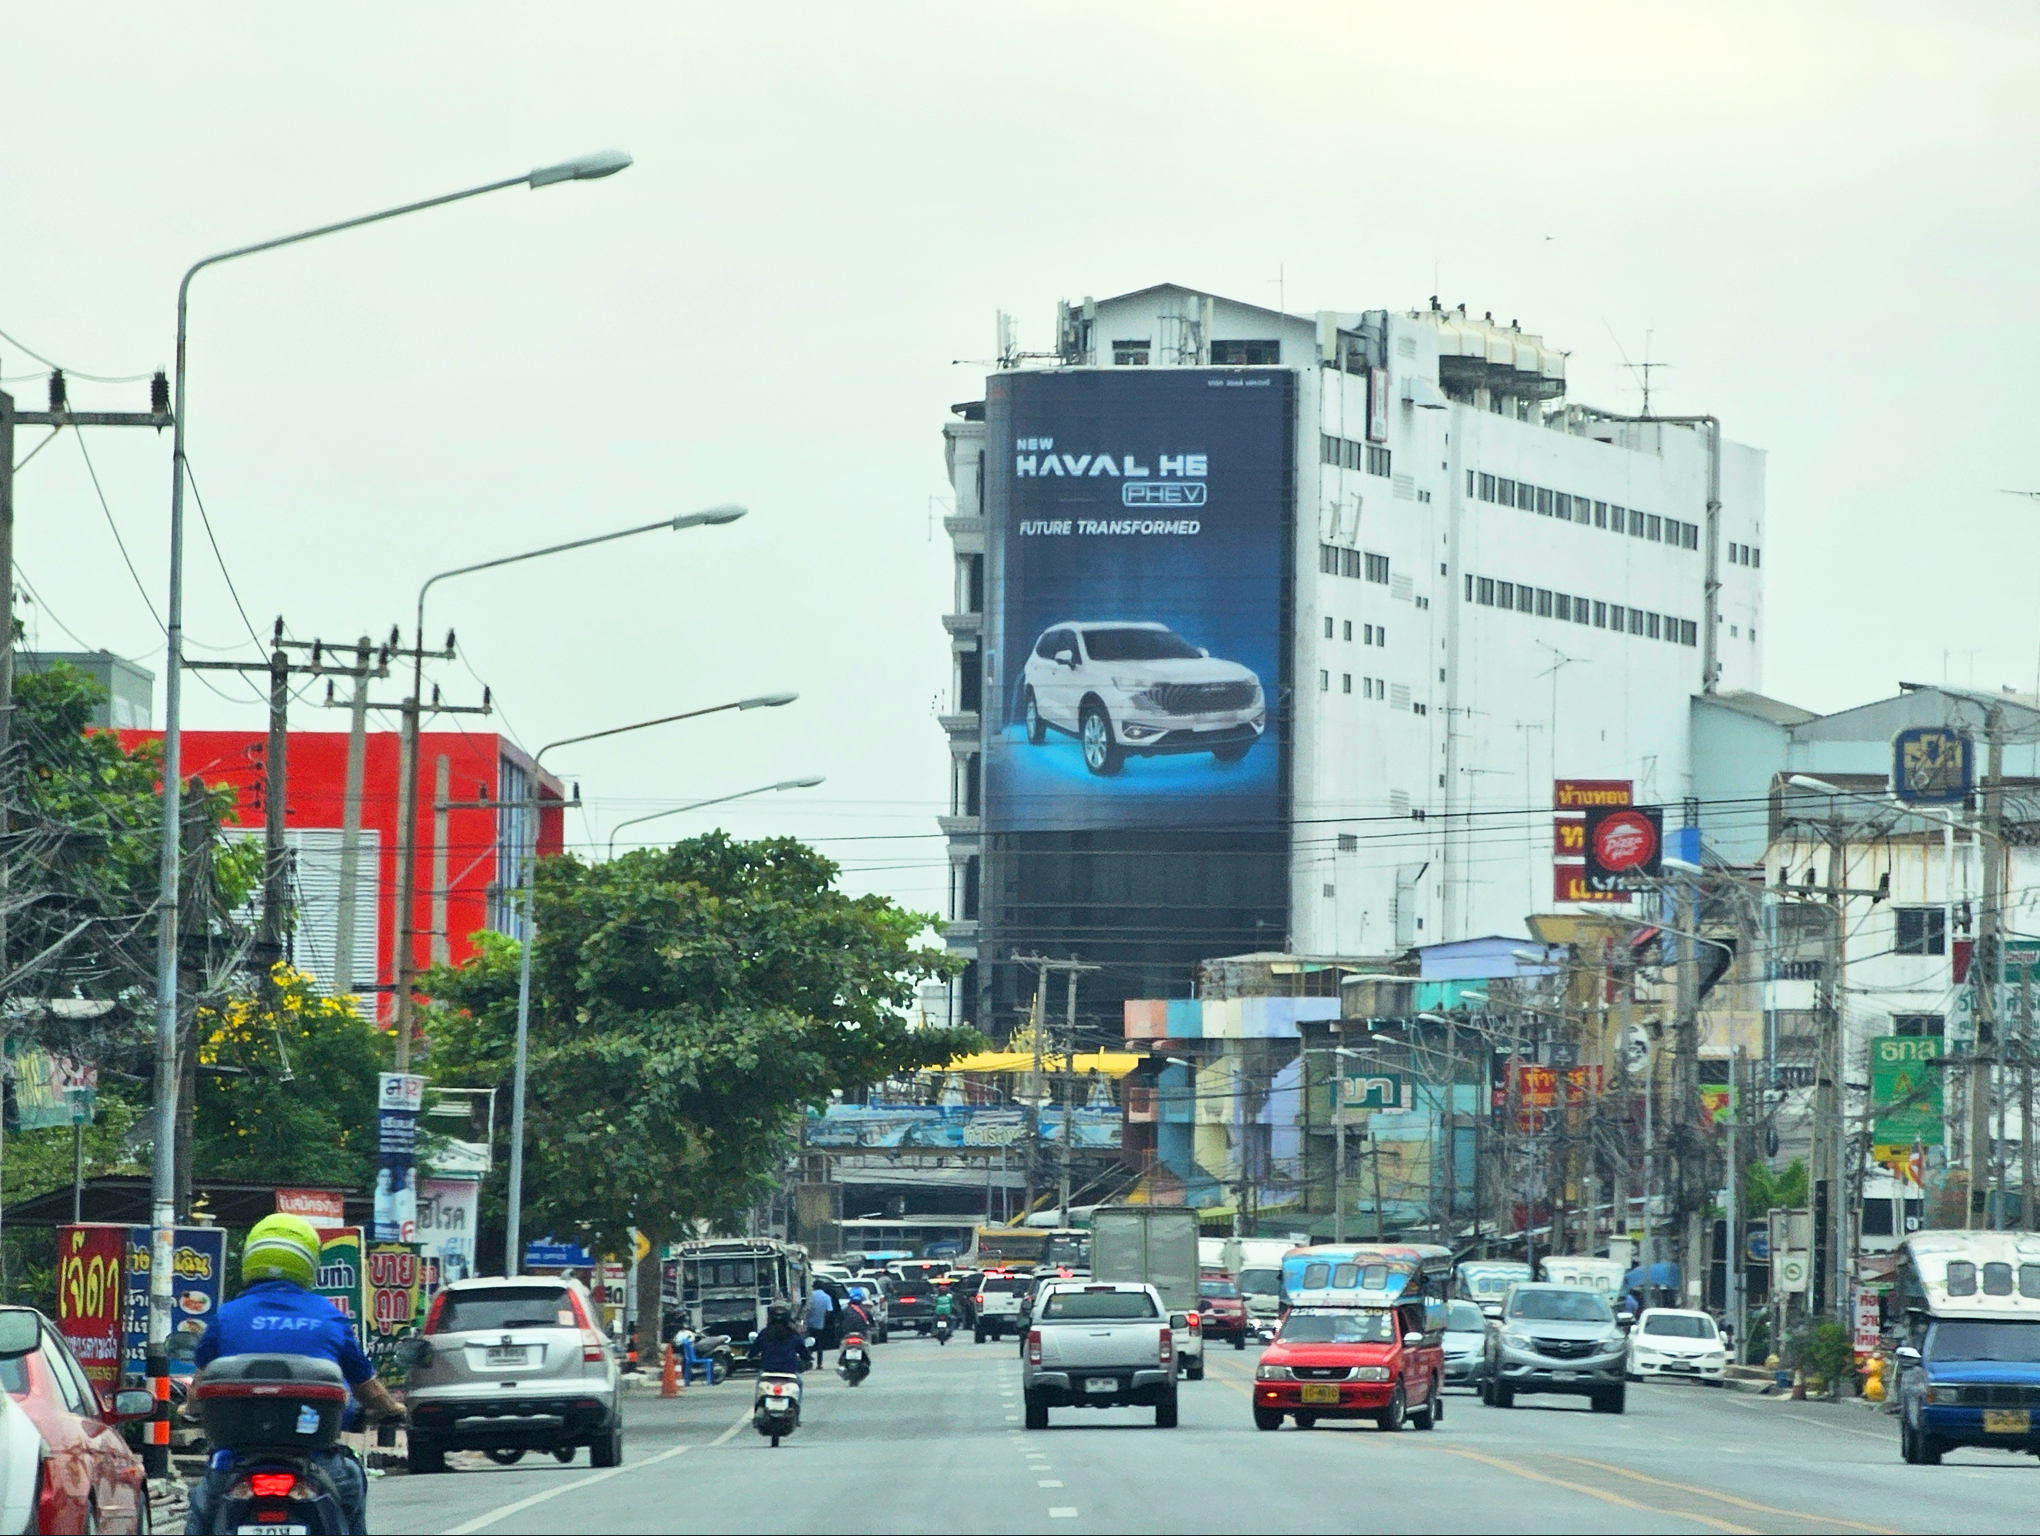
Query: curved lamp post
[742, 794]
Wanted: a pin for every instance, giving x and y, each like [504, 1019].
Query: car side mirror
[130, 1405]
[1905, 1354]
[1066, 659]
[1203, 651]
[1492, 1311]
[1625, 1320]
[20, 1332]
[1412, 1340]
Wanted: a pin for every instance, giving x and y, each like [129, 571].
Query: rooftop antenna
[1642, 369]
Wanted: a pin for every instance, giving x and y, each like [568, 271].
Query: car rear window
[1006, 1283]
[915, 1288]
[507, 1306]
[1674, 1326]
[1221, 1290]
[1104, 1306]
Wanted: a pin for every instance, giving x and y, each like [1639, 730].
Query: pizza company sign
[1573, 801]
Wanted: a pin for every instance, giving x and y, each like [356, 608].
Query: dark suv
[912, 1306]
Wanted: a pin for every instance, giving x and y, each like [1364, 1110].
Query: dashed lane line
[517, 1506]
[1729, 1498]
[1763, 1405]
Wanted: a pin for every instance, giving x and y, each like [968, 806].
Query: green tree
[298, 1104]
[1764, 1188]
[687, 1005]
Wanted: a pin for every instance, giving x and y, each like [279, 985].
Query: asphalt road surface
[934, 1442]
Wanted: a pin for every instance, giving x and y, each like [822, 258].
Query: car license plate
[1565, 1375]
[1320, 1394]
[1101, 1384]
[506, 1355]
[2007, 1421]
[281, 1530]
[1680, 1365]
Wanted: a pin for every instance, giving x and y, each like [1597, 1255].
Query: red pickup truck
[1223, 1308]
[1352, 1363]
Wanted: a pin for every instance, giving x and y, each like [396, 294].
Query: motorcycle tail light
[1034, 1345]
[1166, 1353]
[272, 1485]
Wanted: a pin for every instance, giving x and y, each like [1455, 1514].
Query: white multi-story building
[1488, 586]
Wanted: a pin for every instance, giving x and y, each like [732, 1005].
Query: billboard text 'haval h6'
[1138, 689]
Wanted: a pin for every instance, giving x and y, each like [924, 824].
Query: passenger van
[1484, 1282]
[1969, 1350]
[1586, 1272]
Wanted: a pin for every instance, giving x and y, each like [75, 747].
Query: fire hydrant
[1873, 1379]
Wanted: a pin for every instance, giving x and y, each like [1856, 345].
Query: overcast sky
[1821, 217]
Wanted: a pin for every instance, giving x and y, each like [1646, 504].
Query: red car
[89, 1480]
[1223, 1309]
[1352, 1363]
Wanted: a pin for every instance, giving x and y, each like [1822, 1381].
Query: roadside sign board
[1933, 765]
[1905, 1090]
[1373, 1090]
[198, 1266]
[1789, 1271]
[89, 1297]
[551, 1255]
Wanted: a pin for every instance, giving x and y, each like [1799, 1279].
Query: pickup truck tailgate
[1101, 1344]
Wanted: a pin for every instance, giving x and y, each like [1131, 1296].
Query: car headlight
[1516, 1339]
[1948, 1394]
[1371, 1373]
[1132, 684]
[1273, 1373]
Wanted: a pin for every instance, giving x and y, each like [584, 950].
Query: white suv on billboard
[1140, 689]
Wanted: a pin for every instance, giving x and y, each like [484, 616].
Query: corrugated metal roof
[1760, 706]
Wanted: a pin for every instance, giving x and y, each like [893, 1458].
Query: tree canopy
[687, 1004]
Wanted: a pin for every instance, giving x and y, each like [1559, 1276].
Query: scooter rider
[856, 1320]
[779, 1348]
[278, 1312]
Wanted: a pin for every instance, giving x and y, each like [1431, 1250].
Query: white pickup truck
[1099, 1344]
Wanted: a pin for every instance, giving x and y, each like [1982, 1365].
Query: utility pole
[57, 417]
[1985, 969]
[2025, 1093]
[1069, 1077]
[404, 967]
[1043, 968]
[276, 905]
[350, 815]
[1034, 1104]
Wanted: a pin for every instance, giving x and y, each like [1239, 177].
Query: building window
[1377, 459]
[1756, 557]
[1671, 629]
[1130, 354]
[1544, 501]
[1505, 492]
[1328, 560]
[1526, 598]
[1543, 603]
[1487, 487]
[1689, 633]
[1561, 505]
[1921, 930]
[1562, 606]
[1352, 459]
[1650, 625]
[1324, 682]
[1487, 591]
[1328, 448]
[1377, 568]
[1653, 527]
[1346, 683]
[1635, 523]
[969, 682]
[1245, 354]
[1505, 594]
[1636, 621]
[1328, 628]
[1600, 514]
[1469, 483]
[1929, 1024]
[1349, 562]
[1600, 615]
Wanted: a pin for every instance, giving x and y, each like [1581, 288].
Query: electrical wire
[75, 373]
[228, 576]
[119, 542]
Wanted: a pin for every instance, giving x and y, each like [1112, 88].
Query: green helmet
[281, 1248]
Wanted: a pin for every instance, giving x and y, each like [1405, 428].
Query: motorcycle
[262, 1415]
[854, 1363]
[943, 1328]
[711, 1350]
[775, 1410]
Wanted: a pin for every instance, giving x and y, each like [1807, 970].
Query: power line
[76, 373]
[210, 538]
[119, 542]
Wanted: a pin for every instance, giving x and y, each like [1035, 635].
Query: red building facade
[469, 858]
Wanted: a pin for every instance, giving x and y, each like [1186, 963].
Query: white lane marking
[1049, 1482]
[1759, 1403]
[1062, 1512]
[1012, 1418]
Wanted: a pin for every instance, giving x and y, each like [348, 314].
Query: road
[933, 1442]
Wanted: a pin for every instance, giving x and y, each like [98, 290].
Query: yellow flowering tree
[299, 1104]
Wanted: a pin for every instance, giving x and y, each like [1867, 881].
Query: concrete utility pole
[1828, 1115]
[1034, 1104]
[1985, 970]
[273, 932]
[350, 816]
[1044, 967]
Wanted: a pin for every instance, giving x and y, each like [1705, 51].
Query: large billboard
[1140, 521]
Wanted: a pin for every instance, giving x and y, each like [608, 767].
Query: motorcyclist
[945, 1302]
[856, 1319]
[279, 1312]
[779, 1347]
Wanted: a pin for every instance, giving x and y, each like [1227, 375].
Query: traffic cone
[669, 1373]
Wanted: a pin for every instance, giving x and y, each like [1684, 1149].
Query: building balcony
[1140, 1106]
[958, 826]
[960, 725]
[960, 935]
[954, 526]
[963, 623]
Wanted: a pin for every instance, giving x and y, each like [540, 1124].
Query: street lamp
[164, 1183]
[513, 1247]
[762, 789]
[407, 759]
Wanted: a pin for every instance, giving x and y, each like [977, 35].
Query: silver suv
[509, 1366]
[1555, 1338]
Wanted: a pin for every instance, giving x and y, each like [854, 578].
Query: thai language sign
[198, 1263]
[88, 1298]
[958, 1126]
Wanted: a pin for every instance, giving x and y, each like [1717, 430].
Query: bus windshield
[998, 1246]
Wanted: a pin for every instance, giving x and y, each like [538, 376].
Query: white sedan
[1669, 1342]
